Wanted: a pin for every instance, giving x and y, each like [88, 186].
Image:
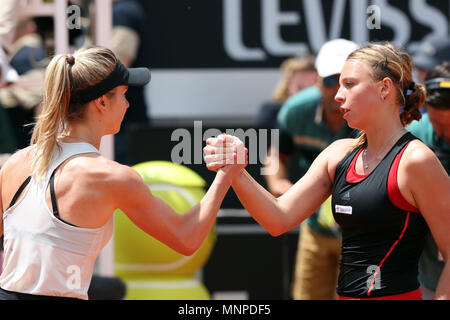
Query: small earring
[383, 97]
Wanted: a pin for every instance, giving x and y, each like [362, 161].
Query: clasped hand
[226, 152]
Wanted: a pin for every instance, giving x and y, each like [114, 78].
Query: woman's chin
[353, 125]
[350, 122]
[112, 132]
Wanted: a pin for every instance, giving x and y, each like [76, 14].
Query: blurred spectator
[434, 130]
[297, 74]
[9, 10]
[429, 54]
[309, 121]
[129, 42]
[9, 75]
[8, 16]
[27, 56]
[7, 141]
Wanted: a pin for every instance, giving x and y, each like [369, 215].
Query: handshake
[226, 152]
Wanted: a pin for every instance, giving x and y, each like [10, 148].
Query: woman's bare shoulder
[98, 170]
[345, 145]
[418, 159]
[339, 148]
[418, 153]
[335, 152]
[19, 159]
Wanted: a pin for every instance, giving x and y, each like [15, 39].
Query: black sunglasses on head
[330, 81]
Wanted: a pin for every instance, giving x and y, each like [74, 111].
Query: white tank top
[42, 254]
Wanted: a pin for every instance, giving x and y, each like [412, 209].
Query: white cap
[332, 55]
[8, 73]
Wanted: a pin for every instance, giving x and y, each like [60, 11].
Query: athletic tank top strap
[52, 195]
[64, 152]
[53, 199]
[388, 159]
[393, 189]
[346, 162]
[19, 191]
[79, 148]
[67, 150]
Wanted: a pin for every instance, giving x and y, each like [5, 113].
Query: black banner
[262, 33]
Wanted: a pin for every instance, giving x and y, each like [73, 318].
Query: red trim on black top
[351, 174]
[411, 295]
[389, 252]
[394, 193]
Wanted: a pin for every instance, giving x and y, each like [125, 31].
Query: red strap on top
[394, 193]
[351, 174]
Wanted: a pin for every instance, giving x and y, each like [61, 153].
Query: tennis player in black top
[388, 189]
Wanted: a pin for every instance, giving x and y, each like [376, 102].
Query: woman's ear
[386, 87]
[100, 104]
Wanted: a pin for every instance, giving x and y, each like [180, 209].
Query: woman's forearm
[200, 219]
[260, 203]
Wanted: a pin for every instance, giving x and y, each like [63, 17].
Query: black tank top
[381, 243]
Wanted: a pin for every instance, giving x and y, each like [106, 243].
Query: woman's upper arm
[307, 194]
[146, 211]
[429, 185]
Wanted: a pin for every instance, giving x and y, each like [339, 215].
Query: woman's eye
[349, 84]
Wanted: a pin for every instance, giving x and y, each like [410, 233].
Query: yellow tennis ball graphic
[137, 253]
[165, 288]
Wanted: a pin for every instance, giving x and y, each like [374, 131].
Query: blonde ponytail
[50, 123]
[65, 76]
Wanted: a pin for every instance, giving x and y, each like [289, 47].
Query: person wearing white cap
[309, 121]
[332, 55]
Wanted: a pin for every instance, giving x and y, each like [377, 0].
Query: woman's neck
[80, 134]
[381, 138]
